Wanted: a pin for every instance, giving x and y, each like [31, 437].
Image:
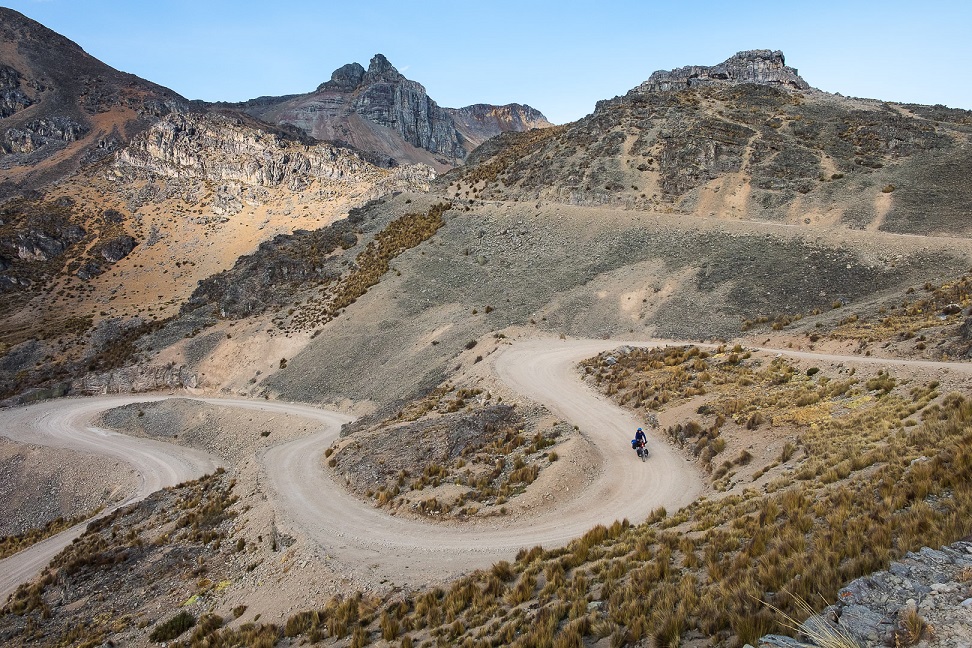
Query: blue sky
[559, 57]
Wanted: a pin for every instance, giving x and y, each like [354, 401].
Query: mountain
[746, 139]
[121, 195]
[225, 249]
[381, 112]
[61, 108]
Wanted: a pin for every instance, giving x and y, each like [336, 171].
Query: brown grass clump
[9, 545]
[931, 313]
[398, 236]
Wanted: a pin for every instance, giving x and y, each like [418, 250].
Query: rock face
[763, 67]
[135, 379]
[244, 158]
[12, 96]
[875, 610]
[380, 111]
[223, 147]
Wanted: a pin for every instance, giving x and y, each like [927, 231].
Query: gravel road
[369, 542]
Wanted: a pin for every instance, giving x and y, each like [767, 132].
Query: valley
[353, 368]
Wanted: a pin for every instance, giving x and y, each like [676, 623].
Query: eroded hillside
[743, 151]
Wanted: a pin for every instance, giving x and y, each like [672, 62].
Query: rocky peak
[380, 111]
[380, 70]
[353, 76]
[347, 78]
[764, 67]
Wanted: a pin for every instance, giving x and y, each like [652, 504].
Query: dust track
[369, 542]
[376, 545]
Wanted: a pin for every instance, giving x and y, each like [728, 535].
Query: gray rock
[135, 379]
[346, 77]
[931, 581]
[12, 97]
[865, 624]
[764, 67]
[780, 641]
[118, 248]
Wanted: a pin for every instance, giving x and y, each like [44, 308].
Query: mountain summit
[761, 66]
[380, 111]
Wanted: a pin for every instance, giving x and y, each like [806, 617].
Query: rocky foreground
[924, 597]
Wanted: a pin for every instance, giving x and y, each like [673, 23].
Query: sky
[559, 57]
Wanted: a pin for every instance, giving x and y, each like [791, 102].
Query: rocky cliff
[380, 111]
[239, 158]
[765, 67]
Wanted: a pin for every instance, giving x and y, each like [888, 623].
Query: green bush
[173, 627]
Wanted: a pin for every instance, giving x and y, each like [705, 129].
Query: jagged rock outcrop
[39, 133]
[385, 97]
[39, 245]
[12, 96]
[135, 379]
[222, 147]
[116, 249]
[764, 67]
[933, 586]
[380, 111]
[244, 158]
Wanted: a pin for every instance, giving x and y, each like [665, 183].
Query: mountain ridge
[382, 112]
[62, 107]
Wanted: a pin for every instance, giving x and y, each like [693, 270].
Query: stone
[346, 77]
[116, 249]
[763, 67]
[869, 607]
[780, 641]
[865, 623]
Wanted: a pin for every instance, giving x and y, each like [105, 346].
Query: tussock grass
[370, 265]
[9, 545]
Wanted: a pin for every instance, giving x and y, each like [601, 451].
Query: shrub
[173, 627]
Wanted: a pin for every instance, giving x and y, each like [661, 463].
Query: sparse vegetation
[478, 451]
[182, 526]
[10, 545]
[399, 235]
[172, 628]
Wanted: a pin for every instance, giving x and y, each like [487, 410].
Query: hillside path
[376, 544]
[370, 542]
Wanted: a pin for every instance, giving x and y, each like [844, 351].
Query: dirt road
[377, 545]
[64, 424]
[374, 544]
